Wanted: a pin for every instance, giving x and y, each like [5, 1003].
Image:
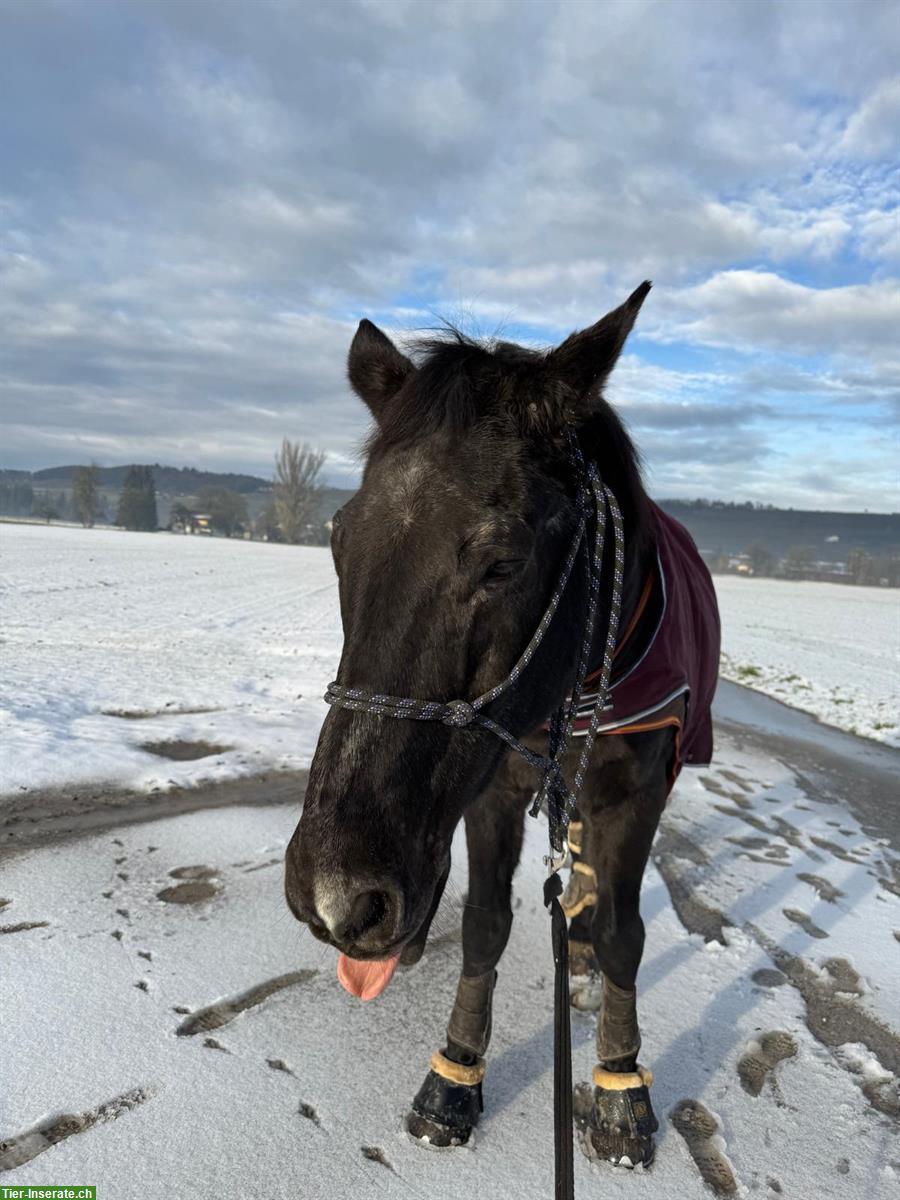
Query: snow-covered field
[113, 642]
[832, 650]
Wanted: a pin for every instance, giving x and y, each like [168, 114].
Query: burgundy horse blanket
[666, 661]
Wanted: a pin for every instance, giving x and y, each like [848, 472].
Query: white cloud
[872, 130]
[754, 309]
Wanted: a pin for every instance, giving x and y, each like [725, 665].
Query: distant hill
[723, 528]
[179, 481]
[173, 485]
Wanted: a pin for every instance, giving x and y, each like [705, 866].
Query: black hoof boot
[448, 1104]
[620, 1123]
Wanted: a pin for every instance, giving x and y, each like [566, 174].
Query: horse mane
[511, 392]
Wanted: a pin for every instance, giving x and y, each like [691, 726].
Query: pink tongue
[366, 979]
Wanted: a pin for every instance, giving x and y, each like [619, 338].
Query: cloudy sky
[199, 199]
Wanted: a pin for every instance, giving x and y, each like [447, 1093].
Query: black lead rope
[595, 499]
[563, 1149]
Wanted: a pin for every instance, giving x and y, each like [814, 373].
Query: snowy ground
[830, 649]
[303, 1093]
[114, 642]
[167, 1027]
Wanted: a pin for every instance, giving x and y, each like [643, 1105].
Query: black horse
[447, 557]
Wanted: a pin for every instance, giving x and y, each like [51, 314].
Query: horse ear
[376, 368]
[585, 359]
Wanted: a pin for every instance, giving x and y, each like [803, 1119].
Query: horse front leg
[617, 835]
[448, 1105]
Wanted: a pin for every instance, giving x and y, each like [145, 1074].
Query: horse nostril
[356, 917]
[368, 911]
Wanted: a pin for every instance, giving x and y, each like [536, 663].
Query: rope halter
[593, 497]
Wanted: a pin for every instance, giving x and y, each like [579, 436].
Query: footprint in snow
[224, 1011]
[768, 977]
[199, 884]
[844, 974]
[377, 1155]
[711, 784]
[749, 842]
[824, 890]
[805, 922]
[22, 1147]
[733, 777]
[761, 1058]
[702, 1135]
[188, 893]
[199, 871]
[836, 850]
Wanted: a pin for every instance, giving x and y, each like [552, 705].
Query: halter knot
[459, 714]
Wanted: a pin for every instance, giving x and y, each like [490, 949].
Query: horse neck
[640, 552]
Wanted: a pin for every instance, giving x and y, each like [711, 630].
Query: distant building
[740, 564]
[183, 521]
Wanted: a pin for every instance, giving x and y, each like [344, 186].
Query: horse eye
[504, 568]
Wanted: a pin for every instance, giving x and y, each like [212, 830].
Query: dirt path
[839, 767]
[36, 819]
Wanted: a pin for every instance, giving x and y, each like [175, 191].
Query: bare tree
[761, 559]
[297, 469]
[85, 494]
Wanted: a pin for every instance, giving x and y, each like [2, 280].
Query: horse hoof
[620, 1150]
[444, 1113]
[433, 1133]
[618, 1125]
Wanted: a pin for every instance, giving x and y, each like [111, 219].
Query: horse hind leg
[449, 1103]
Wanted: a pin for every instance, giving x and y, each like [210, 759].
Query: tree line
[23, 499]
[802, 562]
[288, 516]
